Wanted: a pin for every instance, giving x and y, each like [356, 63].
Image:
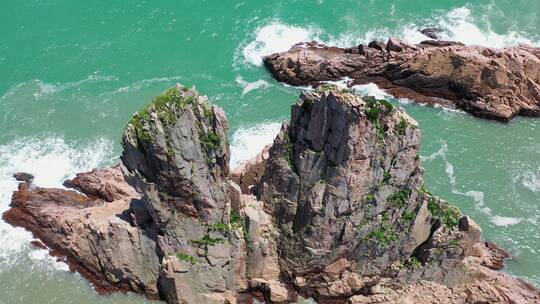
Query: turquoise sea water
[72, 73]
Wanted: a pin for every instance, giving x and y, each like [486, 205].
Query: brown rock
[24, 177]
[334, 270]
[84, 231]
[488, 83]
[107, 184]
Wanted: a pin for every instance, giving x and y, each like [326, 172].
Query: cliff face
[334, 209]
[347, 172]
[488, 83]
[177, 155]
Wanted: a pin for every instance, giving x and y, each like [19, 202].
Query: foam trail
[251, 86]
[51, 160]
[477, 196]
[138, 85]
[531, 180]
[46, 89]
[248, 142]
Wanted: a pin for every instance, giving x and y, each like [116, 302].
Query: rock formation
[91, 231]
[489, 83]
[334, 210]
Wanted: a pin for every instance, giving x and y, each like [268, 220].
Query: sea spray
[247, 142]
[457, 24]
[51, 160]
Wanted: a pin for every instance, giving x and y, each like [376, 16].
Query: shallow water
[72, 74]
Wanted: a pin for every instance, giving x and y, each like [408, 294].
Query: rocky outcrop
[94, 236]
[432, 32]
[489, 83]
[334, 210]
[343, 183]
[177, 155]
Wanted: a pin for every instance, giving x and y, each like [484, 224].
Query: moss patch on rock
[163, 105]
[447, 214]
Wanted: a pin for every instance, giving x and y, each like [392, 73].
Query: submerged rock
[432, 32]
[489, 83]
[333, 210]
[23, 177]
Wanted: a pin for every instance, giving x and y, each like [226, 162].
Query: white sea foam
[505, 221]
[458, 25]
[51, 160]
[248, 142]
[477, 196]
[273, 38]
[531, 180]
[141, 84]
[251, 86]
[371, 89]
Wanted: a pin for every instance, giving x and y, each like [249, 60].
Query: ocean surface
[73, 72]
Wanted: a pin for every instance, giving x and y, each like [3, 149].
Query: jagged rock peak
[176, 153]
[341, 177]
[179, 144]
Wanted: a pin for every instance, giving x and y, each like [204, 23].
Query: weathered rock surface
[489, 83]
[250, 172]
[107, 184]
[343, 185]
[177, 155]
[334, 210]
[93, 235]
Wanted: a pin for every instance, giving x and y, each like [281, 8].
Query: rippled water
[72, 74]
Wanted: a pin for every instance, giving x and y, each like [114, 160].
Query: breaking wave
[248, 142]
[458, 24]
[51, 160]
[273, 38]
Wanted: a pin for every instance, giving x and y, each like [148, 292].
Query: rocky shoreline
[496, 84]
[334, 210]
